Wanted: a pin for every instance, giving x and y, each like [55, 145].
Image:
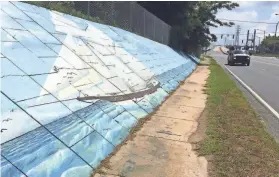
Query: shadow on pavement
[235, 64]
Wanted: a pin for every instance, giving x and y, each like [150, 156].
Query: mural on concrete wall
[71, 89]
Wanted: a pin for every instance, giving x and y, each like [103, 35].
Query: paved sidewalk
[161, 147]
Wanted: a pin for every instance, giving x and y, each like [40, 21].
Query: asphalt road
[263, 77]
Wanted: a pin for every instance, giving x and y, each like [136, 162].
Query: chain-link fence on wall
[129, 16]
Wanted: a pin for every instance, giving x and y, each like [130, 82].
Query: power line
[248, 21]
[231, 34]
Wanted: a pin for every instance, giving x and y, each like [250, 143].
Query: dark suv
[239, 56]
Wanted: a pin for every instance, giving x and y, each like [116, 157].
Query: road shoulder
[236, 142]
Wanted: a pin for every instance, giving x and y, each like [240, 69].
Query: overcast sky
[249, 11]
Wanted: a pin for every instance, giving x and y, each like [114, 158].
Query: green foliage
[270, 46]
[190, 21]
[66, 7]
[270, 40]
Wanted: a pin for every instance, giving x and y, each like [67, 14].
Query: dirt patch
[199, 134]
[198, 137]
[132, 135]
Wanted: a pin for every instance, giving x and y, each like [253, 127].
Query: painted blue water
[76, 136]
[38, 153]
[91, 133]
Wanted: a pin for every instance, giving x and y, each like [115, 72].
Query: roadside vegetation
[190, 21]
[267, 55]
[236, 142]
[67, 7]
[269, 47]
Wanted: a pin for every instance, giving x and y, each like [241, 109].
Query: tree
[190, 21]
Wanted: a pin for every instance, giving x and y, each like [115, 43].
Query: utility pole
[236, 43]
[247, 38]
[276, 26]
[258, 48]
[225, 41]
[254, 40]
[262, 31]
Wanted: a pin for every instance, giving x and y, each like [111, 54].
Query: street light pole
[225, 42]
[262, 31]
[259, 43]
[276, 26]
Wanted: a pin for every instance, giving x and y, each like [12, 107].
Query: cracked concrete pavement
[161, 147]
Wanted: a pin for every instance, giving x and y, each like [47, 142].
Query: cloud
[275, 8]
[233, 15]
[249, 11]
[246, 4]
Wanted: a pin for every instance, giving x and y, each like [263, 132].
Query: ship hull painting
[125, 97]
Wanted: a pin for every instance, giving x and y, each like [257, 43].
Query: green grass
[66, 7]
[267, 55]
[203, 57]
[235, 136]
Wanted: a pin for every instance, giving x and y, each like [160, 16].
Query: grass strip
[236, 139]
[267, 55]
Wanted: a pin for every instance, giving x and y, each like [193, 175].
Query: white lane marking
[265, 63]
[276, 114]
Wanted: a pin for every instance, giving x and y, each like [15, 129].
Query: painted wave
[90, 133]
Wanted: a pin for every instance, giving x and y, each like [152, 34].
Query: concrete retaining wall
[71, 89]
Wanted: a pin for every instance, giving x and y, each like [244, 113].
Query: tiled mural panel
[71, 89]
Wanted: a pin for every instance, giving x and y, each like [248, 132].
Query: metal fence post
[161, 34]
[154, 38]
[88, 8]
[144, 22]
[113, 12]
[131, 15]
[162, 38]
